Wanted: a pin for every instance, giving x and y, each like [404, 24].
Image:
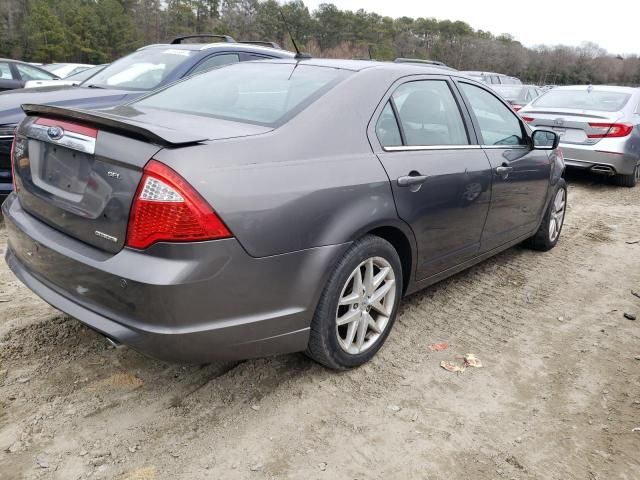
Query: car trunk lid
[578, 127]
[79, 171]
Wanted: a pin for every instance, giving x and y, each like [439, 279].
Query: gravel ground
[558, 397]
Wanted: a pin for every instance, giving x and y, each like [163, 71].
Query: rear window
[511, 92]
[142, 70]
[261, 93]
[584, 100]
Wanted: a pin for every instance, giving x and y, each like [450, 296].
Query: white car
[75, 79]
[63, 70]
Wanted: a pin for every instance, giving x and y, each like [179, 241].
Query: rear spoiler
[161, 136]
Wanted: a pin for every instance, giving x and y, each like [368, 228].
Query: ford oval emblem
[55, 133]
[559, 121]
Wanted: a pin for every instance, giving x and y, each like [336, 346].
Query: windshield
[84, 74]
[599, 100]
[252, 92]
[142, 70]
[511, 92]
[52, 66]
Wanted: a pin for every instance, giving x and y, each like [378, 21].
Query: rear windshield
[598, 100]
[262, 93]
[511, 92]
[142, 70]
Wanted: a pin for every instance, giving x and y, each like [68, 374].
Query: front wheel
[549, 232]
[629, 180]
[358, 306]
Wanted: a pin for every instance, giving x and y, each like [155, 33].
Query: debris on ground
[637, 429]
[629, 316]
[394, 408]
[470, 360]
[322, 466]
[632, 242]
[438, 347]
[451, 367]
[635, 294]
[42, 461]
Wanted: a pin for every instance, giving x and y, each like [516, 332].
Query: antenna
[299, 54]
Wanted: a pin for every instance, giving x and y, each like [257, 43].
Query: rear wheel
[629, 180]
[358, 306]
[549, 232]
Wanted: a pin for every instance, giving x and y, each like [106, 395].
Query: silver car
[598, 128]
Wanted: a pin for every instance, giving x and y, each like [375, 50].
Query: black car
[128, 78]
[14, 74]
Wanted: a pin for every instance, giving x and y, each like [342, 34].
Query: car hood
[65, 96]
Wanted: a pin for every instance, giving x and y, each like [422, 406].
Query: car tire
[629, 180]
[350, 296]
[548, 234]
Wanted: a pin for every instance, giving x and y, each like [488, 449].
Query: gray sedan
[599, 128]
[274, 207]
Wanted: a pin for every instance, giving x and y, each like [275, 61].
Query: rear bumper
[178, 302]
[588, 157]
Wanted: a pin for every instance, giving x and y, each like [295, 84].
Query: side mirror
[545, 140]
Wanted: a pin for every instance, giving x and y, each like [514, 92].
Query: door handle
[412, 180]
[504, 170]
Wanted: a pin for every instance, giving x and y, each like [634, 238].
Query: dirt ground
[558, 397]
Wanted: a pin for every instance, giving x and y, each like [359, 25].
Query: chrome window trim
[506, 147]
[418, 148]
[413, 148]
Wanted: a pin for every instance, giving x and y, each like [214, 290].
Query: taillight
[167, 209]
[610, 130]
[517, 108]
[528, 119]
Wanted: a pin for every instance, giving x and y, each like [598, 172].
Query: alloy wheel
[365, 305]
[557, 215]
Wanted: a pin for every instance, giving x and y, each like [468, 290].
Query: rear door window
[498, 124]
[429, 114]
[387, 128]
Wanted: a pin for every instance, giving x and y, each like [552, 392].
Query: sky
[613, 25]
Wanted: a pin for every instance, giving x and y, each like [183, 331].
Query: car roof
[480, 73]
[360, 65]
[19, 61]
[242, 47]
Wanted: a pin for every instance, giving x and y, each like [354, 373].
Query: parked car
[14, 74]
[492, 78]
[273, 207]
[63, 70]
[130, 77]
[74, 79]
[599, 128]
[518, 95]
